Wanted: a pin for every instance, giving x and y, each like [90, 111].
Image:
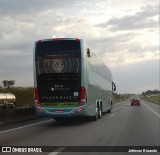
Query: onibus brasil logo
[57, 65]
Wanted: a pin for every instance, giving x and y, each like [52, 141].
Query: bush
[24, 96]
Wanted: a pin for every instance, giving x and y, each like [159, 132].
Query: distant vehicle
[70, 80]
[135, 101]
[7, 101]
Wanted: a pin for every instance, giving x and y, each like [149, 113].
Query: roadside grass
[117, 100]
[120, 97]
[154, 99]
[24, 96]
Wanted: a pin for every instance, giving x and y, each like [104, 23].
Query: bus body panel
[99, 89]
[95, 77]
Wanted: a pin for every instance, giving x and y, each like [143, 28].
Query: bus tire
[99, 111]
[95, 118]
[109, 111]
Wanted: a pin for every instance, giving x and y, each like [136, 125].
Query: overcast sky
[125, 33]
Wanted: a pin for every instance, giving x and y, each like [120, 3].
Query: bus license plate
[59, 111]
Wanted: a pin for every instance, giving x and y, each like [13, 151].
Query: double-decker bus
[70, 80]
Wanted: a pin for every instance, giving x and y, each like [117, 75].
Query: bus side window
[88, 52]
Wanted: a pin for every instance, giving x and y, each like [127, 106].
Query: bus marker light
[77, 39]
[55, 39]
[39, 41]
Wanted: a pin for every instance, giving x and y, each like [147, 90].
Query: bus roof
[57, 39]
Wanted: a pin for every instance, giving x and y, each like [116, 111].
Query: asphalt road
[124, 126]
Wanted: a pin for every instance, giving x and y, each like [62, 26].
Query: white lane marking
[57, 151]
[25, 126]
[151, 110]
[113, 114]
[116, 104]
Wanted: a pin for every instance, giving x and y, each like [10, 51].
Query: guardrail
[16, 115]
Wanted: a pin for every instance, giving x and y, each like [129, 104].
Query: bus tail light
[36, 98]
[83, 99]
[38, 103]
[79, 110]
[36, 95]
[39, 110]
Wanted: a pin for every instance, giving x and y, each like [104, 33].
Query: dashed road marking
[57, 151]
[116, 104]
[152, 110]
[113, 114]
[25, 126]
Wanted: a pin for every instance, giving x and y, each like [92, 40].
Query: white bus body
[70, 80]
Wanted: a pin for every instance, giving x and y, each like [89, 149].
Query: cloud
[127, 47]
[123, 33]
[130, 38]
[15, 7]
[137, 77]
[18, 67]
[140, 20]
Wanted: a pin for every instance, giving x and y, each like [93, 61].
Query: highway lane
[124, 126]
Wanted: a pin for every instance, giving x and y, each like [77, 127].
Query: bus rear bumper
[79, 111]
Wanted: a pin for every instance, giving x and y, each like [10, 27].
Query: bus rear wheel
[99, 112]
[95, 118]
[109, 111]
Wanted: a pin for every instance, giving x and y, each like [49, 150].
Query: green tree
[8, 84]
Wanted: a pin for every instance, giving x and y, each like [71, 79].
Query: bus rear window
[62, 56]
[58, 48]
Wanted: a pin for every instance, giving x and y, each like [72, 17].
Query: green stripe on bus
[60, 104]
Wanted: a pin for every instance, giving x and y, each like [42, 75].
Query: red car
[135, 101]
